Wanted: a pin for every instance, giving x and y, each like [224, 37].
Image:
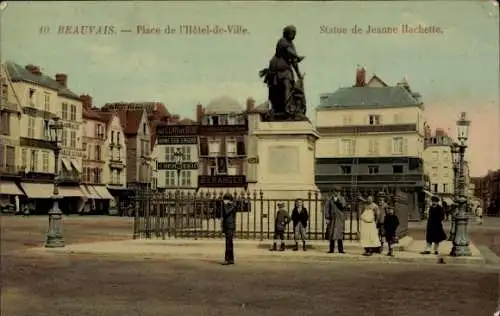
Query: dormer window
[374, 119]
[215, 120]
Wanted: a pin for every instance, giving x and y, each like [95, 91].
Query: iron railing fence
[178, 214]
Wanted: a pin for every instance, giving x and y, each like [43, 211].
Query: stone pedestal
[286, 161]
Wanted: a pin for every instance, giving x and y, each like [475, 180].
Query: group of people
[378, 224]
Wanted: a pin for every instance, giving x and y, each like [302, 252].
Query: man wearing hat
[282, 219]
[228, 226]
[334, 214]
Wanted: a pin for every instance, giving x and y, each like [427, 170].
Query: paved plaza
[36, 282]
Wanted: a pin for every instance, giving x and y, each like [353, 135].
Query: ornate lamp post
[178, 158]
[455, 157]
[461, 240]
[54, 238]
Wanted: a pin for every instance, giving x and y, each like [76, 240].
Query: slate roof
[19, 73]
[368, 96]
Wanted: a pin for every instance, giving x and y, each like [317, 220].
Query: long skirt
[368, 235]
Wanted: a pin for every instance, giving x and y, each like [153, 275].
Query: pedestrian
[281, 221]
[391, 223]
[479, 214]
[368, 233]
[335, 206]
[381, 212]
[228, 227]
[435, 232]
[300, 217]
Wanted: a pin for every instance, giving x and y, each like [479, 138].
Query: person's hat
[281, 204]
[434, 199]
[227, 196]
[381, 194]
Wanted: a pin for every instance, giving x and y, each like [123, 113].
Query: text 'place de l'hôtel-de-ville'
[371, 133]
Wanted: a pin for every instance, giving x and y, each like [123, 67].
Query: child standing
[282, 219]
[391, 223]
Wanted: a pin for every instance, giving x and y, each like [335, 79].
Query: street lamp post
[178, 158]
[455, 157]
[461, 241]
[54, 237]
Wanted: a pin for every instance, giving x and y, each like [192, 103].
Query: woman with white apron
[368, 233]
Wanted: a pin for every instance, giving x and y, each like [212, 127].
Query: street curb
[489, 256]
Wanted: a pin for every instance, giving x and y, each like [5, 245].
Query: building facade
[487, 190]
[223, 134]
[438, 164]
[43, 98]
[371, 138]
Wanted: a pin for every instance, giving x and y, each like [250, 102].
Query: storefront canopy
[38, 190]
[9, 188]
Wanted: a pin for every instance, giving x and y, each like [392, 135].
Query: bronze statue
[286, 95]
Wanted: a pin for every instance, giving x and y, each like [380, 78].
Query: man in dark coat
[391, 223]
[228, 227]
[334, 214]
[435, 231]
[381, 211]
[300, 217]
[281, 221]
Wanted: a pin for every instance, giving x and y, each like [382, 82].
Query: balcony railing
[116, 183]
[69, 176]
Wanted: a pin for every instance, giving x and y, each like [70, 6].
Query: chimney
[62, 79]
[250, 104]
[199, 113]
[86, 101]
[33, 69]
[360, 77]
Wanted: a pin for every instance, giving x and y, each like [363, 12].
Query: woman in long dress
[368, 235]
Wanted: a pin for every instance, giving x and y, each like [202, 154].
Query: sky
[455, 70]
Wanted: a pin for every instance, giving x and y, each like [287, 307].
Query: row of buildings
[373, 137]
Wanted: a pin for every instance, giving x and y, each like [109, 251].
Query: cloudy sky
[455, 71]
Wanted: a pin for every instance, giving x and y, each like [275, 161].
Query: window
[4, 123]
[31, 127]
[397, 145]
[73, 112]
[112, 137]
[99, 131]
[347, 119]
[347, 146]
[373, 146]
[144, 128]
[215, 120]
[118, 137]
[169, 154]
[45, 162]
[397, 169]
[373, 169]
[34, 161]
[231, 120]
[5, 92]
[223, 120]
[240, 148]
[24, 158]
[64, 139]
[64, 110]
[170, 178]
[435, 155]
[186, 153]
[45, 130]
[446, 171]
[214, 148]
[231, 148]
[435, 187]
[231, 171]
[445, 188]
[212, 170]
[397, 118]
[204, 147]
[434, 171]
[97, 152]
[31, 97]
[374, 119]
[46, 102]
[346, 169]
[186, 178]
[72, 142]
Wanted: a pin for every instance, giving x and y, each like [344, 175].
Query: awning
[66, 164]
[115, 187]
[38, 190]
[428, 193]
[9, 188]
[76, 165]
[71, 192]
[103, 192]
[89, 192]
[448, 201]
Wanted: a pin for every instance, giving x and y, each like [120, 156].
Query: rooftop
[223, 105]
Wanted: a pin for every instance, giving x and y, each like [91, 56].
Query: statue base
[286, 159]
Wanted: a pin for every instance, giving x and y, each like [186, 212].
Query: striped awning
[103, 192]
[89, 192]
[66, 164]
[9, 188]
[448, 201]
[72, 191]
[76, 165]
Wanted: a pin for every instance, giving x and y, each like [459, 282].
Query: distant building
[371, 138]
[438, 164]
